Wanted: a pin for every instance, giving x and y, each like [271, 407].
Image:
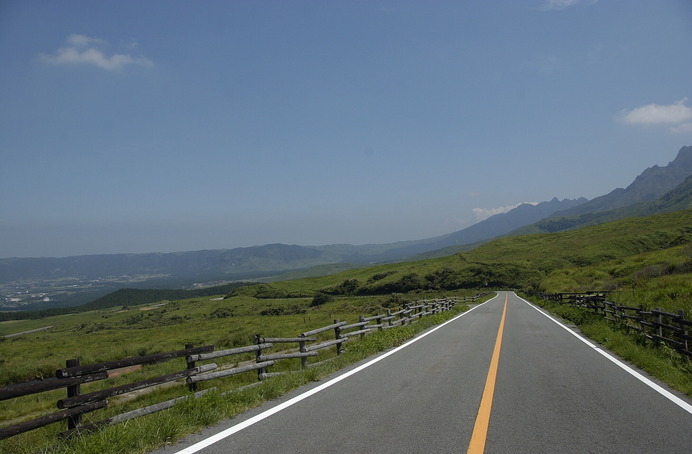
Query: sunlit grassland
[645, 261]
[114, 334]
[657, 279]
[393, 272]
[642, 262]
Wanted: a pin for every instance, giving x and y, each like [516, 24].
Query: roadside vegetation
[166, 326]
[657, 359]
[642, 261]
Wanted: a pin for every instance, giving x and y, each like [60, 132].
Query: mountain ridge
[656, 189]
[253, 261]
[652, 183]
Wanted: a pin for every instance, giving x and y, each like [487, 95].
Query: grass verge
[150, 432]
[658, 360]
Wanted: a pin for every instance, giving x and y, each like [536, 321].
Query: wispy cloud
[556, 5]
[678, 116]
[484, 213]
[83, 40]
[82, 49]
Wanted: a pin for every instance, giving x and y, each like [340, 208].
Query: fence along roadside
[670, 329]
[73, 375]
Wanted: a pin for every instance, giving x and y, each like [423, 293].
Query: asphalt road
[553, 393]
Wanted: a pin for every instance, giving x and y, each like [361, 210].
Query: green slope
[604, 255]
[593, 243]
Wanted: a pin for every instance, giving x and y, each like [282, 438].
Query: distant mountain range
[260, 261]
[657, 189]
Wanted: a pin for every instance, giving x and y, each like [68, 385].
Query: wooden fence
[307, 345]
[656, 324]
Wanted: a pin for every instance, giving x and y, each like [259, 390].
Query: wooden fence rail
[670, 329]
[308, 345]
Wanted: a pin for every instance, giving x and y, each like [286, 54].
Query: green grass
[149, 432]
[609, 256]
[645, 261]
[656, 359]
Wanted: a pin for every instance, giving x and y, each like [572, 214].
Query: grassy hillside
[644, 260]
[594, 244]
[632, 253]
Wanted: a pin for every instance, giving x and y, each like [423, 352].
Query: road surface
[501, 378]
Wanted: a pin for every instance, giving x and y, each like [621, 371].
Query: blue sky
[161, 126]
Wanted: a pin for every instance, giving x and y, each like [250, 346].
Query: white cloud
[677, 115]
[83, 49]
[556, 5]
[484, 213]
[77, 40]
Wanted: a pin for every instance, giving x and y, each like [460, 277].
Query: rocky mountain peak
[683, 159]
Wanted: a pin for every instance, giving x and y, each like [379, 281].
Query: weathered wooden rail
[670, 329]
[307, 345]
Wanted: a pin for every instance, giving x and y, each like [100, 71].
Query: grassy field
[117, 333]
[644, 261]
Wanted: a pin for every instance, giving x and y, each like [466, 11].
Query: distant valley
[39, 283]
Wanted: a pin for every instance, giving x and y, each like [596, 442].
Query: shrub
[321, 298]
[222, 312]
[380, 276]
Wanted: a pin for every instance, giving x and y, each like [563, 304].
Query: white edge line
[257, 418]
[659, 389]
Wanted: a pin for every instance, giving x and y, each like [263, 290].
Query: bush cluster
[477, 275]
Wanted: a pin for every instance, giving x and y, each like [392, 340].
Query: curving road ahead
[501, 378]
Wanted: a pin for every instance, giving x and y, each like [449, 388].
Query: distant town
[51, 293]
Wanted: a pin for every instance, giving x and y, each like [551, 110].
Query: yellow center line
[480, 429]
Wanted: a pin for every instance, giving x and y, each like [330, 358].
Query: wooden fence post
[361, 319]
[683, 327]
[337, 335]
[304, 359]
[191, 365]
[659, 318]
[73, 422]
[257, 339]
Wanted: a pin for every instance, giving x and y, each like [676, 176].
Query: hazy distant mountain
[497, 225]
[680, 198]
[173, 269]
[656, 190]
[649, 186]
[239, 263]
[500, 224]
